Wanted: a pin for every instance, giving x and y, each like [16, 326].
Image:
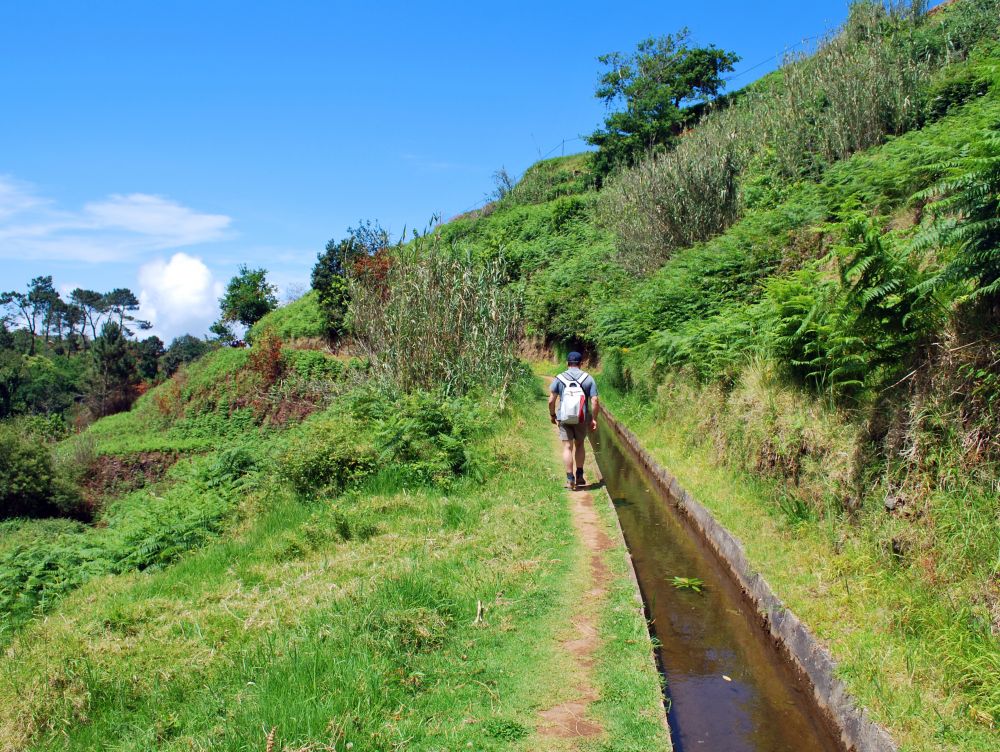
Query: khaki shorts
[576, 432]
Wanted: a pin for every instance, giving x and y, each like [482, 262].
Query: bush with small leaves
[30, 485]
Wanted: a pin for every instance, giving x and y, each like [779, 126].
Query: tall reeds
[675, 198]
[860, 85]
[439, 321]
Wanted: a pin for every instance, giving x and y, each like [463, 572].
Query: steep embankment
[820, 373]
[321, 566]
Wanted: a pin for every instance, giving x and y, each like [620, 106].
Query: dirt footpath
[570, 720]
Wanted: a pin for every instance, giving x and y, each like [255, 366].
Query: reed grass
[440, 322]
[861, 84]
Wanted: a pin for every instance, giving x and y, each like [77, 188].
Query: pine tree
[112, 371]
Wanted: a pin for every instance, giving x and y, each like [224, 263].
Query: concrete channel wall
[808, 656]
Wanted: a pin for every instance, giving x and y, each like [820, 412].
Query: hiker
[575, 415]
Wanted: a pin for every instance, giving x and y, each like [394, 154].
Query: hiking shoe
[580, 482]
[570, 482]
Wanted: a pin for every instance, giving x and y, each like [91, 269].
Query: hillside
[815, 370]
[794, 304]
[281, 555]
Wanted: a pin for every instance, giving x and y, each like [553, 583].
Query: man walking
[574, 435]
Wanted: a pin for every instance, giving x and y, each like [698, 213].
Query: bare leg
[568, 455]
[581, 454]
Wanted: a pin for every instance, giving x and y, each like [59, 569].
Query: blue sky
[159, 145]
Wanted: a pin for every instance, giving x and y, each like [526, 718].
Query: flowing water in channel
[729, 688]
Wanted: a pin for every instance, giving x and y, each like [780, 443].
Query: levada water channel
[728, 687]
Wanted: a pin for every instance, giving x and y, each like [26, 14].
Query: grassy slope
[911, 628]
[909, 602]
[907, 646]
[345, 619]
[299, 319]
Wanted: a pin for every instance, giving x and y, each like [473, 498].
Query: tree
[121, 302]
[223, 333]
[11, 371]
[329, 280]
[183, 350]
[338, 259]
[45, 302]
[36, 306]
[503, 184]
[112, 371]
[75, 321]
[370, 237]
[148, 354]
[248, 297]
[17, 306]
[656, 83]
[93, 306]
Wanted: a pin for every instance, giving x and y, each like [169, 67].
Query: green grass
[300, 319]
[349, 618]
[912, 639]
[189, 412]
[42, 561]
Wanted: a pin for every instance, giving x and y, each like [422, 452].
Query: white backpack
[573, 401]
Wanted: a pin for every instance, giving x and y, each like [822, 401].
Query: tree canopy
[338, 259]
[657, 84]
[248, 298]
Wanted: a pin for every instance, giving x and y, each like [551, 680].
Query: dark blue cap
[574, 357]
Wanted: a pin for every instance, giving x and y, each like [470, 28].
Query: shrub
[428, 436]
[331, 453]
[862, 84]
[560, 299]
[29, 483]
[229, 466]
[44, 428]
[843, 335]
[313, 365]
[675, 198]
[419, 438]
[714, 348]
[955, 86]
[700, 281]
[265, 358]
[182, 350]
[967, 218]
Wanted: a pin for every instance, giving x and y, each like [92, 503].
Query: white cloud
[178, 296]
[15, 197]
[157, 217]
[117, 228]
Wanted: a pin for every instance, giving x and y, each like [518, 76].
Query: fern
[848, 338]
[966, 211]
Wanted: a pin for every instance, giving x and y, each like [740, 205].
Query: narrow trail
[569, 720]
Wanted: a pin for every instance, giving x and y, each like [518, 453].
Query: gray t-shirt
[574, 374]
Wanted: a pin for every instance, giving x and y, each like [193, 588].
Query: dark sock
[579, 473]
[569, 477]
